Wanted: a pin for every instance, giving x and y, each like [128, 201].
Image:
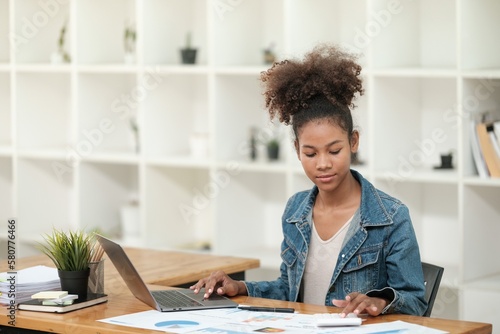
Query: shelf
[490, 283]
[109, 132]
[438, 73]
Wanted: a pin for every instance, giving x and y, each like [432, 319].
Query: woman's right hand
[220, 282]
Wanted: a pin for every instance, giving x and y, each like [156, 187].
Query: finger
[340, 302]
[353, 300]
[198, 285]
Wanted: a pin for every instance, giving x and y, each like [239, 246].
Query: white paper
[236, 321]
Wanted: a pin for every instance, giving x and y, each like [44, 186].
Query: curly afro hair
[321, 86]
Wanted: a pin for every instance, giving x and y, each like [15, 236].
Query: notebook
[161, 300]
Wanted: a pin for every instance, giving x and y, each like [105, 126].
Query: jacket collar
[372, 211]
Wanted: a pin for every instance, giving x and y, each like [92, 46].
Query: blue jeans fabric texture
[380, 255]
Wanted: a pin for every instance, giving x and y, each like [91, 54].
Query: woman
[346, 243]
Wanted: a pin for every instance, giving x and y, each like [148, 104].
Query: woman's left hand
[360, 303]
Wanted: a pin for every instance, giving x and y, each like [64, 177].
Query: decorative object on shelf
[269, 54]
[135, 132]
[188, 53]
[253, 143]
[61, 55]
[71, 253]
[446, 161]
[129, 38]
[273, 149]
[198, 145]
[130, 221]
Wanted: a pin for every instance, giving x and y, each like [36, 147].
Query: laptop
[161, 300]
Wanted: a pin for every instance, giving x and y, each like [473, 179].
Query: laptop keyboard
[174, 299]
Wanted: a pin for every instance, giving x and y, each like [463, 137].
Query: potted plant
[71, 253]
[269, 54]
[188, 53]
[129, 38]
[61, 55]
[273, 149]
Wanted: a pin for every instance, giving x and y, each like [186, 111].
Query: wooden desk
[161, 266]
[166, 268]
[85, 320]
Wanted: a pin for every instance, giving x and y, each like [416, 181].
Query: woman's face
[324, 151]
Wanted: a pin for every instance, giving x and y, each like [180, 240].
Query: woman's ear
[297, 150]
[354, 141]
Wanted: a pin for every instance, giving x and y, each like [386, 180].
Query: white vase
[130, 224]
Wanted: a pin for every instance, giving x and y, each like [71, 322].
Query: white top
[320, 263]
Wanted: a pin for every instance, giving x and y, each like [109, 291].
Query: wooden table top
[166, 268]
[162, 267]
[86, 320]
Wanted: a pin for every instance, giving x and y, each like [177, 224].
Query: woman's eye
[309, 155]
[335, 152]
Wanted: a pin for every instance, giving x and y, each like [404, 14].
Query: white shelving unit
[69, 157]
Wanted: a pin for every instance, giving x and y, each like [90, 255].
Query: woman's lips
[325, 178]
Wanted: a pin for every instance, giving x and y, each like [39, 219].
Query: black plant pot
[273, 152]
[188, 56]
[75, 282]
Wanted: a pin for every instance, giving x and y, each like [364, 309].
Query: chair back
[432, 279]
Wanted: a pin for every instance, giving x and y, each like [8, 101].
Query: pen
[267, 309]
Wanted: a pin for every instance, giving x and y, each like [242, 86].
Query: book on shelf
[39, 306]
[479, 162]
[491, 158]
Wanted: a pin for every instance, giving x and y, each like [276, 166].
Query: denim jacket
[379, 257]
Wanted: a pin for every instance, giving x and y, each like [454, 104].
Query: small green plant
[61, 43]
[129, 38]
[188, 41]
[69, 251]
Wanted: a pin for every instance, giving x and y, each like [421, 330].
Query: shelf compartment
[239, 108]
[412, 28]
[472, 297]
[312, 22]
[44, 198]
[37, 30]
[479, 20]
[104, 189]
[166, 25]
[43, 119]
[7, 186]
[244, 29]
[434, 213]
[249, 204]
[100, 28]
[4, 31]
[428, 106]
[5, 112]
[178, 206]
[480, 233]
[176, 114]
[106, 106]
[479, 96]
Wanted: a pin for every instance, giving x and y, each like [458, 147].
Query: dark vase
[188, 56]
[75, 282]
[273, 152]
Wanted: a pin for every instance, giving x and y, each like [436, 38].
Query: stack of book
[485, 141]
[22, 284]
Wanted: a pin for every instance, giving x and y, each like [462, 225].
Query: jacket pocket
[288, 255]
[360, 274]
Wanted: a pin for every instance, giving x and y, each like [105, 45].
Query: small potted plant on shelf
[61, 55]
[188, 53]
[71, 253]
[273, 149]
[269, 54]
[129, 38]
